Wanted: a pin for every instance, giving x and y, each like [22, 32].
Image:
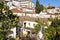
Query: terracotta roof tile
[16, 10]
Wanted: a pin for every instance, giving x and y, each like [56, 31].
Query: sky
[45, 2]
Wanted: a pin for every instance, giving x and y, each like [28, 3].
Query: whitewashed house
[42, 13]
[28, 9]
[53, 11]
[29, 24]
[27, 4]
[13, 34]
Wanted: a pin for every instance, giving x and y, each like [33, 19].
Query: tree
[56, 24]
[38, 7]
[48, 33]
[50, 7]
[52, 32]
[39, 26]
[7, 20]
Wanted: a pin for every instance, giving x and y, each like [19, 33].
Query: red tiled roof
[16, 10]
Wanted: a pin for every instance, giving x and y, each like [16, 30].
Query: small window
[33, 24]
[29, 24]
[24, 25]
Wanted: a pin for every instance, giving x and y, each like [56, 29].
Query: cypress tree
[38, 7]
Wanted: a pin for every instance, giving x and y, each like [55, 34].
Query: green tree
[38, 7]
[7, 20]
[56, 24]
[48, 33]
[52, 33]
[50, 7]
[39, 26]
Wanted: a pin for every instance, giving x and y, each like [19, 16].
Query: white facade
[12, 7]
[25, 31]
[7, 0]
[16, 3]
[27, 4]
[28, 10]
[34, 15]
[9, 4]
[53, 11]
[29, 24]
[43, 13]
[13, 4]
[14, 33]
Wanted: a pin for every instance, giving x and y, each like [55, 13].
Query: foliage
[1, 5]
[1, 35]
[39, 26]
[56, 25]
[56, 13]
[49, 33]
[55, 22]
[38, 7]
[7, 19]
[51, 7]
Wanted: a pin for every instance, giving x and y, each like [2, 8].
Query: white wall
[53, 11]
[16, 3]
[34, 15]
[9, 4]
[29, 24]
[14, 33]
[27, 4]
[28, 10]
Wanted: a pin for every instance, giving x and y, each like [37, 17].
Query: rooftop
[16, 10]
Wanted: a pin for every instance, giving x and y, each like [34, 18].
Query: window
[29, 24]
[24, 25]
[33, 24]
